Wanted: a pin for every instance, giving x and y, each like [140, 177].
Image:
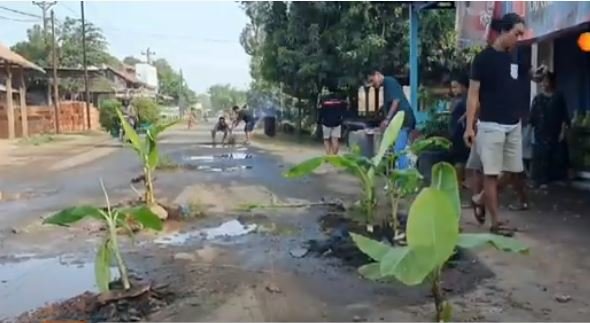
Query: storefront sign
[473, 22]
[542, 18]
[545, 17]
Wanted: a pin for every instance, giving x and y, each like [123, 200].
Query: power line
[69, 9]
[19, 20]
[21, 12]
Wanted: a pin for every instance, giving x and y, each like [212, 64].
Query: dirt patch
[88, 308]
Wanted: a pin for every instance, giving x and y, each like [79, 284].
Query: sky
[201, 38]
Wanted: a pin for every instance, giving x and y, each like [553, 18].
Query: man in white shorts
[331, 117]
[494, 88]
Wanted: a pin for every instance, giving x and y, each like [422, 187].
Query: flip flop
[501, 230]
[479, 212]
[518, 207]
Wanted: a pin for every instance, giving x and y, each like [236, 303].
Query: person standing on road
[459, 152]
[330, 117]
[549, 120]
[244, 115]
[395, 100]
[493, 87]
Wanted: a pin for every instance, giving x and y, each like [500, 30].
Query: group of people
[239, 115]
[487, 125]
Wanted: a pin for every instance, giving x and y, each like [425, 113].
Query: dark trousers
[550, 162]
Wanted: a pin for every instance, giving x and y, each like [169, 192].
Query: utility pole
[180, 91]
[148, 55]
[85, 62]
[55, 89]
[45, 6]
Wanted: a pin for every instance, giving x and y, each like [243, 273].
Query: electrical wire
[21, 12]
[19, 20]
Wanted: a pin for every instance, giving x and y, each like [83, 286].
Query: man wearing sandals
[493, 87]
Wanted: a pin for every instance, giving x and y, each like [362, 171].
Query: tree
[224, 96]
[306, 46]
[70, 40]
[131, 60]
[170, 83]
[35, 48]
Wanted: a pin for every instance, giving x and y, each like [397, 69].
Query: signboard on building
[473, 22]
[147, 74]
[541, 17]
[545, 17]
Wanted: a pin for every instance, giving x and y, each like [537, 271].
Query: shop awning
[543, 18]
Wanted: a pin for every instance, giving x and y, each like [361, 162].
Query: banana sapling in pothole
[432, 237]
[109, 249]
[149, 154]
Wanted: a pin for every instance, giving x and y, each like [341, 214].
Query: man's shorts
[499, 150]
[473, 161]
[331, 132]
[249, 126]
[218, 128]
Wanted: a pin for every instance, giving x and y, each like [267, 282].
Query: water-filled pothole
[230, 156]
[231, 228]
[32, 283]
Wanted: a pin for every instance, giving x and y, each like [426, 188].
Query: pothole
[32, 283]
[229, 156]
[6, 196]
[232, 228]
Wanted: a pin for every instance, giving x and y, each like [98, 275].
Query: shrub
[108, 116]
[147, 109]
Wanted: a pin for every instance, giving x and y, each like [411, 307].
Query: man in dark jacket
[331, 116]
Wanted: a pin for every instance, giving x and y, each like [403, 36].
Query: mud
[86, 307]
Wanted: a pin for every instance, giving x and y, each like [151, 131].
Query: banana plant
[147, 151]
[432, 237]
[109, 248]
[363, 168]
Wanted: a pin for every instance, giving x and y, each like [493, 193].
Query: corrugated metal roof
[9, 56]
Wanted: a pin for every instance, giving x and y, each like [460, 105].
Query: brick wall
[41, 119]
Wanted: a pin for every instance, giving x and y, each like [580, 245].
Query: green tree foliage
[147, 109]
[170, 83]
[108, 118]
[224, 96]
[306, 46]
[131, 60]
[35, 47]
[70, 40]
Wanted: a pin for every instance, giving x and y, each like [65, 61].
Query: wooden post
[9, 106]
[23, 104]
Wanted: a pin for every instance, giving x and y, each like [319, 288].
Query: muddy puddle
[227, 156]
[241, 226]
[31, 283]
[233, 228]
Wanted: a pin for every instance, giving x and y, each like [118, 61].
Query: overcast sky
[202, 38]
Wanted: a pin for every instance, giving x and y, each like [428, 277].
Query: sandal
[499, 229]
[518, 207]
[479, 212]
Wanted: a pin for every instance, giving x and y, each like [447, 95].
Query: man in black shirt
[331, 117]
[244, 115]
[493, 87]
